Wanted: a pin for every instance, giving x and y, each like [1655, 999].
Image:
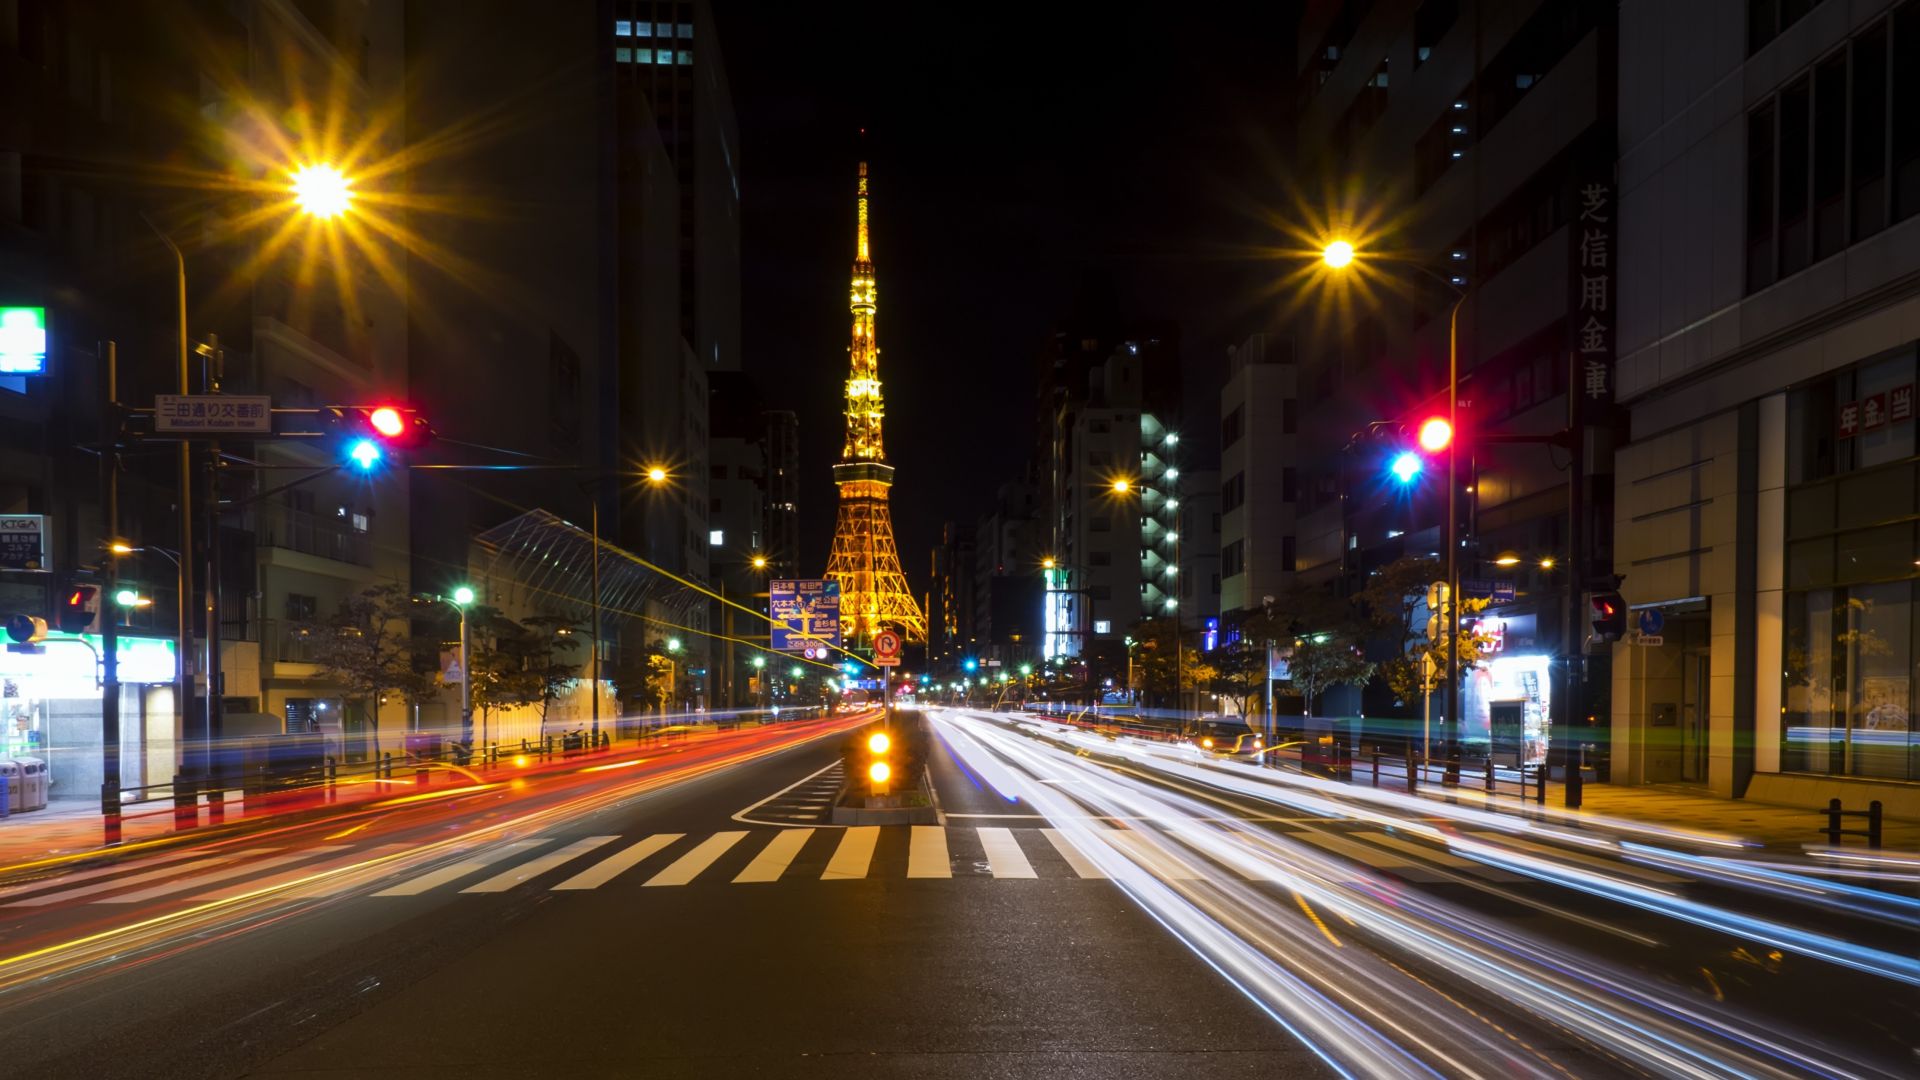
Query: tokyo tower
[873, 590]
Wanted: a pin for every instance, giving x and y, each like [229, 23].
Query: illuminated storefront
[50, 699]
[1507, 698]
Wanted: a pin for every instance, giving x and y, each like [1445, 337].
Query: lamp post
[1339, 255]
[461, 600]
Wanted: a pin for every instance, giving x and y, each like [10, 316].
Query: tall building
[950, 609]
[1115, 486]
[1476, 133]
[108, 108]
[1008, 542]
[677, 66]
[874, 594]
[1260, 485]
[1769, 309]
[782, 529]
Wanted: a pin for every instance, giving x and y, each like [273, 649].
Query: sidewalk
[1781, 828]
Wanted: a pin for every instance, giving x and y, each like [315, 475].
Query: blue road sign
[805, 611]
[1500, 592]
[1652, 622]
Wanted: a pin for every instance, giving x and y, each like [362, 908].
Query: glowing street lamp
[463, 595]
[759, 562]
[656, 474]
[1338, 254]
[322, 191]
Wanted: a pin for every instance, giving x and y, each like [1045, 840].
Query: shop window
[1848, 682]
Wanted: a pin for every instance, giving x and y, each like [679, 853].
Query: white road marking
[688, 866]
[460, 869]
[1074, 856]
[618, 863]
[535, 867]
[927, 853]
[774, 859]
[1004, 856]
[227, 874]
[854, 854]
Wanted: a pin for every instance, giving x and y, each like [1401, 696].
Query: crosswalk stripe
[480, 861]
[927, 853]
[97, 872]
[618, 863]
[853, 855]
[1443, 857]
[688, 866]
[1378, 858]
[1647, 874]
[1074, 856]
[134, 879]
[366, 867]
[1159, 863]
[533, 868]
[1004, 856]
[183, 884]
[774, 859]
[299, 874]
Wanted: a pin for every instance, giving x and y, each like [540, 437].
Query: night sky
[1022, 158]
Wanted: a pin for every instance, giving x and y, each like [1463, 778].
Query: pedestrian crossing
[765, 857]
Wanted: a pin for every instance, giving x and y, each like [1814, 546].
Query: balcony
[329, 538]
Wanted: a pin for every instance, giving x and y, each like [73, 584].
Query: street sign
[1652, 621]
[1650, 640]
[809, 608]
[887, 661]
[23, 542]
[887, 643]
[993, 663]
[23, 341]
[1500, 592]
[212, 414]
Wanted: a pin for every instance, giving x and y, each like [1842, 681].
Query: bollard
[386, 765]
[1576, 784]
[1411, 766]
[1833, 822]
[331, 773]
[1376, 769]
[1540, 785]
[6, 797]
[1873, 824]
[1489, 774]
[186, 804]
[420, 777]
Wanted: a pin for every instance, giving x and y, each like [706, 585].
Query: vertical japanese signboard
[1592, 300]
[23, 541]
[805, 612]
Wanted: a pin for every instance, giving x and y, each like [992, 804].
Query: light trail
[1362, 1011]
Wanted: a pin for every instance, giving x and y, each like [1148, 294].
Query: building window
[1796, 119]
[717, 537]
[1100, 524]
[1233, 492]
[1766, 19]
[302, 608]
[1870, 132]
[1848, 691]
[1230, 427]
[1286, 554]
[1906, 111]
[1100, 558]
[360, 521]
[1289, 484]
[1431, 23]
[1289, 416]
[1760, 208]
[1233, 558]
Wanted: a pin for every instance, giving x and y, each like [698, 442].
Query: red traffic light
[387, 421]
[77, 609]
[1435, 434]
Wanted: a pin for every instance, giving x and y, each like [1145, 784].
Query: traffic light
[368, 433]
[1435, 434]
[1405, 466]
[25, 629]
[1609, 616]
[77, 609]
[879, 769]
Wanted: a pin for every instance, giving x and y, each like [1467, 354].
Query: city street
[1091, 907]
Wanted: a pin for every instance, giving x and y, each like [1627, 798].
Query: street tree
[1155, 669]
[548, 638]
[1394, 602]
[1328, 632]
[366, 649]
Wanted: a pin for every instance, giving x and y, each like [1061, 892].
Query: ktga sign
[23, 542]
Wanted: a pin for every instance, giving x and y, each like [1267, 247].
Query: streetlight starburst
[322, 190]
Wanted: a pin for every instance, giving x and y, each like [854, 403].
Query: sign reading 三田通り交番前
[805, 612]
[23, 542]
[240, 414]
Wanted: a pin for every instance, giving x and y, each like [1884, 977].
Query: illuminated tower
[873, 590]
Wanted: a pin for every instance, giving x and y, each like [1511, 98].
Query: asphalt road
[1088, 908]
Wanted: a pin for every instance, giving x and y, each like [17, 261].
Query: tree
[1240, 668]
[1327, 634]
[366, 649]
[1394, 599]
[498, 650]
[550, 676]
[1154, 666]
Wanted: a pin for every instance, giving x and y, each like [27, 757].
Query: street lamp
[656, 474]
[322, 191]
[1339, 255]
[461, 600]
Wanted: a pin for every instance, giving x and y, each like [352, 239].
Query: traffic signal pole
[1573, 645]
[109, 629]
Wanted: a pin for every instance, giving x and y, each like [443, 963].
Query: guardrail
[1835, 832]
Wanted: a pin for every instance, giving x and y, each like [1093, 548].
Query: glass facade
[1852, 575]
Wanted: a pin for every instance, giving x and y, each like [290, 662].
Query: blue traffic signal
[971, 664]
[1405, 466]
[364, 453]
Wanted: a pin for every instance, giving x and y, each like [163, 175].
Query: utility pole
[183, 684]
[595, 644]
[109, 628]
[211, 373]
[1573, 646]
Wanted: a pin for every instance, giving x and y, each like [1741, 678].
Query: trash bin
[12, 792]
[33, 781]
